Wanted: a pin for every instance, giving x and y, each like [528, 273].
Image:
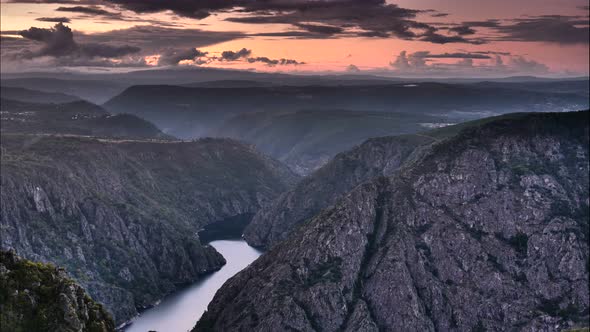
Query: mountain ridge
[485, 230]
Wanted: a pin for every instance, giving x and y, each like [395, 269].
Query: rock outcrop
[376, 157]
[41, 297]
[487, 230]
[122, 216]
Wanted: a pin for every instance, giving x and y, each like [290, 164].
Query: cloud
[53, 19]
[352, 69]
[155, 39]
[550, 29]
[455, 55]
[59, 42]
[233, 56]
[528, 66]
[320, 29]
[462, 30]
[556, 29]
[174, 57]
[245, 54]
[274, 62]
[89, 10]
[312, 18]
[437, 38]
[424, 64]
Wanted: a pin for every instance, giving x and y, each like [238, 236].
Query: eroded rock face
[40, 297]
[484, 231]
[376, 157]
[123, 217]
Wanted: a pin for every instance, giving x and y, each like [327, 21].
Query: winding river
[181, 311]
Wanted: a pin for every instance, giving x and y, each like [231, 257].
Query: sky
[405, 38]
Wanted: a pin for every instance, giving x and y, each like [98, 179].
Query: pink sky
[334, 52]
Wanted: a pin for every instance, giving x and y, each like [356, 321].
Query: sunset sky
[410, 38]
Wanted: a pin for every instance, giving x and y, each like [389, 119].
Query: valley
[274, 202]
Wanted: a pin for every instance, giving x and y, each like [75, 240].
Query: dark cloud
[173, 57]
[352, 69]
[107, 51]
[366, 18]
[320, 29]
[546, 28]
[54, 19]
[156, 39]
[550, 29]
[462, 30]
[88, 10]
[233, 56]
[492, 52]
[433, 37]
[59, 42]
[292, 35]
[439, 15]
[491, 23]
[456, 55]
[274, 62]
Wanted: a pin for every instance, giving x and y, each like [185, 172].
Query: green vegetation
[39, 297]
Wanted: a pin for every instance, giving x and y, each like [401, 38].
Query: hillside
[34, 96]
[94, 90]
[192, 112]
[487, 230]
[306, 140]
[122, 216]
[374, 158]
[74, 118]
[41, 297]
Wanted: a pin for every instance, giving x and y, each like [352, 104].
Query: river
[180, 311]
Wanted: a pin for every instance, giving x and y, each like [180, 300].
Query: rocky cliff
[40, 297]
[122, 216]
[376, 157]
[487, 230]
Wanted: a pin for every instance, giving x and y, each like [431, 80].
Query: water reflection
[181, 311]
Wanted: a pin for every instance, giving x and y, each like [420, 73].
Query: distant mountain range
[305, 126]
[100, 87]
[34, 96]
[73, 118]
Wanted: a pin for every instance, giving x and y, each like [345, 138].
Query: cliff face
[40, 297]
[487, 230]
[376, 157]
[122, 216]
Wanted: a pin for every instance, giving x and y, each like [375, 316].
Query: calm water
[181, 311]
